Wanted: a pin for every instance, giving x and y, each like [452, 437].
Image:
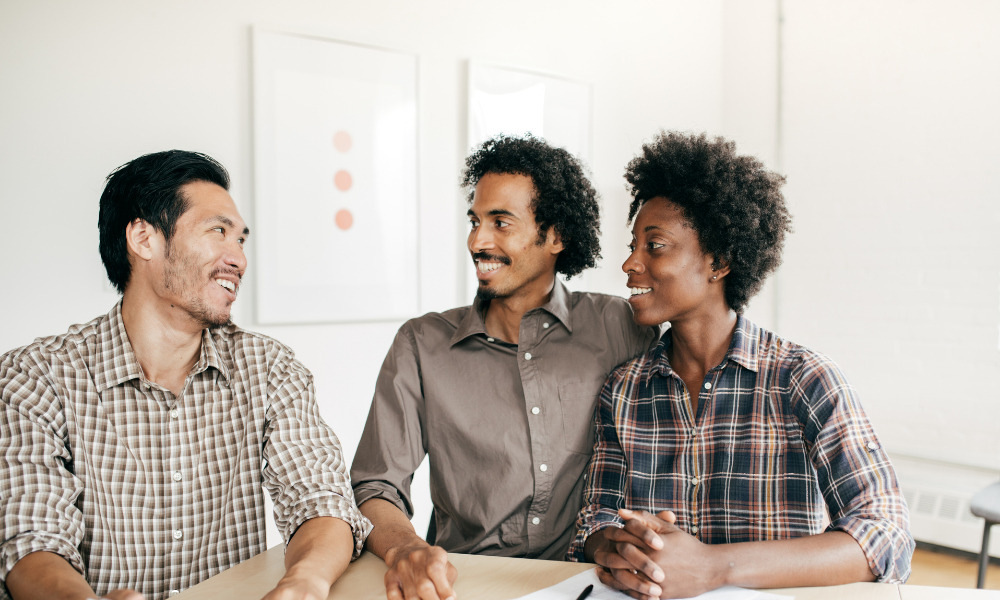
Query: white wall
[890, 131]
[882, 115]
[87, 86]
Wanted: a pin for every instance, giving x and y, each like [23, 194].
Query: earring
[714, 277]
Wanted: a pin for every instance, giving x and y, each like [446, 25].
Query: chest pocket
[577, 402]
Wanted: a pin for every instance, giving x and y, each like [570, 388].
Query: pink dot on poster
[344, 219]
[342, 180]
[342, 141]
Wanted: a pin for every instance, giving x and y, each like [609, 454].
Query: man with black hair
[134, 446]
[499, 395]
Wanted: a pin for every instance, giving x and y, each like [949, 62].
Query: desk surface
[494, 578]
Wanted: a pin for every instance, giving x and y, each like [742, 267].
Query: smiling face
[670, 276]
[510, 256]
[203, 263]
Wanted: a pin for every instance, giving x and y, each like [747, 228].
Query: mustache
[483, 256]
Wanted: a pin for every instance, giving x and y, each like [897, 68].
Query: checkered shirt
[779, 439]
[138, 488]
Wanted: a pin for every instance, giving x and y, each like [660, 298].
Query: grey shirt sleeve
[392, 445]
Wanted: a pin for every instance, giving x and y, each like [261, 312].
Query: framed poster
[335, 177]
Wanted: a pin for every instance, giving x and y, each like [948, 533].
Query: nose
[632, 265]
[480, 239]
[236, 257]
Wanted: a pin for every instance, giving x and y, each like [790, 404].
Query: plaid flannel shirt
[780, 443]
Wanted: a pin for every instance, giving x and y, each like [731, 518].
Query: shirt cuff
[887, 545]
[22, 545]
[330, 506]
[592, 519]
[363, 492]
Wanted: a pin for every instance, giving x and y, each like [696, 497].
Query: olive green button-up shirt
[508, 429]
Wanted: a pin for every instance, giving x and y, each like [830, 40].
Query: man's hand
[419, 571]
[651, 558]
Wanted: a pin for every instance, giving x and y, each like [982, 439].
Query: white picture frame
[335, 178]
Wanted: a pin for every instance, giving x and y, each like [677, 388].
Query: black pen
[586, 592]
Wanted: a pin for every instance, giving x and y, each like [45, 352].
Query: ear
[142, 239]
[553, 240]
[720, 268]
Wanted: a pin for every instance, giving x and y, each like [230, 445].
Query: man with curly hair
[727, 455]
[499, 395]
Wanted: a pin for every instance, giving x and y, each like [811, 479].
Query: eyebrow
[495, 212]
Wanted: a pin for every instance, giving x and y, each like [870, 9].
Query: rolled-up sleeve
[854, 473]
[604, 492]
[391, 446]
[305, 471]
[38, 502]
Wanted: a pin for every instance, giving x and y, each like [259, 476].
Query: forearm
[830, 558]
[47, 576]
[322, 547]
[392, 530]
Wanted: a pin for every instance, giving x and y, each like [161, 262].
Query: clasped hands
[651, 558]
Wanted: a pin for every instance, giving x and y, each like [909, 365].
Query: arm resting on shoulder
[416, 569]
[47, 576]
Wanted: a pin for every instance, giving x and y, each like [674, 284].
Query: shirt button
[174, 414]
[708, 385]
[489, 339]
[872, 446]
[535, 410]
[543, 468]
[694, 481]
[174, 592]
[177, 476]
[535, 521]
[694, 530]
[545, 325]
[178, 534]
[527, 356]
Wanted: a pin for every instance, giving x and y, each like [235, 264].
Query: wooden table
[494, 578]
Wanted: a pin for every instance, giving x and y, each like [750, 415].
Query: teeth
[485, 267]
[639, 291]
[229, 285]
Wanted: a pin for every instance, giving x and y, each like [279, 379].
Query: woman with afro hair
[727, 455]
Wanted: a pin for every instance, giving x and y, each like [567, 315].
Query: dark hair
[564, 198]
[734, 204]
[148, 188]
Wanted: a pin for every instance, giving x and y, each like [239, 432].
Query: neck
[503, 315]
[700, 344]
[165, 349]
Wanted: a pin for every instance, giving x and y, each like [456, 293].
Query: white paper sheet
[570, 588]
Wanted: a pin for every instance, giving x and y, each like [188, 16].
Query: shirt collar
[743, 349]
[474, 323]
[115, 361]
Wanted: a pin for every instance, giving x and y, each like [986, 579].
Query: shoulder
[78, 341]
[805, 374]
[245, 350]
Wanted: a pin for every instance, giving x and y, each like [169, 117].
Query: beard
[181, 276]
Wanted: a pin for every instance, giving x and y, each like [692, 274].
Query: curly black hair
[733, 202]
[564, 198]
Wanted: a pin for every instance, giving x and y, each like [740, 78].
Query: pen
[586, 592]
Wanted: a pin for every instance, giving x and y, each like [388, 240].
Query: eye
[631, 247]
[220, 229]
[654, 246]
[501, 224]
[241, 240]
[473, 224]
